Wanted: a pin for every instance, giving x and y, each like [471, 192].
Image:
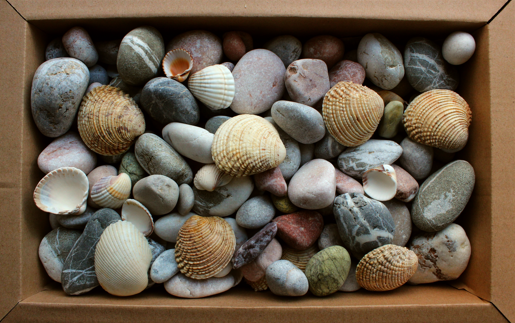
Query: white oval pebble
[182, 286]
[458, 47]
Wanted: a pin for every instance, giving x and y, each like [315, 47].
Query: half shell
[111, 191]
[386, 268]
[205, 246]
[440, 119]
[122, 259]
[137, 214]
[213, 86]
[299, 258]
[246, 145]
[177, 64]
[259, 285]
[63, 191]
[352, 113]
[209, 177]
[380, 183]
[109, 121]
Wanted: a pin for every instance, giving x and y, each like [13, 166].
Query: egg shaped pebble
[458, 47]
[327, 270]
[285, 279]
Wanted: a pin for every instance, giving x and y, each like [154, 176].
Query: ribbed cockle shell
[299, 258]
[213, 86]
[438, 118]
[352, 113]
[111, 191]
[246, 145]
[209, 177]
[386, 268]
[205, 246]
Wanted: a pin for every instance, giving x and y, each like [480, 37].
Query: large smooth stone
[458, 47]
[158, 193]
[272, 181]
[307, 81]
[78, 44]
[326, 48]
[57, 89]
[327, 270]
[356, 160]
[443, 196]
[256, 270]
[182, 286]
[76, 222]
[140, 55]
[328, 147]
[258, 72]
[300, 230]
[167, 100]
[164, 267]
[301, 122]
[426, 69]
[79, 275]
[285, 279]
[364, 224]
[54, 249]
[287, 47]
[157, 157]
[416, 159]
[255, 213]
[225, 200]
[130, 166]
[190, 141]
[441, 256]
[168, 226]
[382, 61]
[313, 186]
[402, 218]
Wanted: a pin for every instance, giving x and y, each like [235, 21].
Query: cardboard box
[483, 293]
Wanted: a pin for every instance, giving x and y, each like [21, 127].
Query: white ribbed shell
[213, 86]
[111, 191]
[174, 64]
[122, 259]
[137, 214]
[209, 177]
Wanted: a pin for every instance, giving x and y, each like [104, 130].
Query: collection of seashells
[110, 121]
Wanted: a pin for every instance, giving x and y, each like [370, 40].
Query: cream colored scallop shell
[63, 191]
[205, 246]
[352, 113]
[259, 285]
[246, 145]
[209, 177]
[109, 121]
[111, 191]
[299, 258]
[213, 86]
[137, 214]
[440, 119]
[122, 259]
[380, 182]
[177, 64]
[386, 268]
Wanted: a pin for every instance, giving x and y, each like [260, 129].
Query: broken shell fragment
[213, 86]
[299, 258]
[259, 285]
[111, 191]
[380, 183]
[137, 214]
[177, 64]
[209, 177]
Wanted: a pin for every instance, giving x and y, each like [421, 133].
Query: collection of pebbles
[204, 162]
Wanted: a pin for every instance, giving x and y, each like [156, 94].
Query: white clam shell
[137, 214]
[213, 86]
[380, 183]
[177, 64]
[111, 191]
[63, 191]
[122, 259]
[209, 177]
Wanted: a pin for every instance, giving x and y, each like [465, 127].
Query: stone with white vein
[54, 248]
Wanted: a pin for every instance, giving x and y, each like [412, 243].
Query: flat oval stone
[158, 193]
[164, 267]
[78, 44]
[167, 100]
[98, 74]
[441, 256]
[55, 49]
[287, 47]
[253, 247]
[97, 174]
[168, 226]
[443, 196]
[327, 270]
[236, 44]
[300, 230]
[329, 237]
[108, 51]
[347, 71]
[416, 159]
[130, 166]
[426, 69]
[255, 213]
[391, 120]
[54, 248]
[258, 71]
[328, 147]
[325, 47]
[157, 157]
[182, 286]
[56, 94]
[67, 151]
[356, 160]
[458, 47]
[186, 199]
[272, 181]
[215, 122]
[347, 184]
[364, 224]
[140, 54]
[402, 218]
[285, 279]
[301, 122]
[76, 222]
[239, 232]
[307, 152]
[382, 61]
[351, 283]
[190, 141]
[307, 81]
[407, 186]
[313, 186]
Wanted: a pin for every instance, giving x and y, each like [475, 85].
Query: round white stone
[458, 47]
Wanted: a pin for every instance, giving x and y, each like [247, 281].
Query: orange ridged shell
[205, 246]
[440, 119]
[352, 113]
[299, 258]
[109, 121]
[259, 285]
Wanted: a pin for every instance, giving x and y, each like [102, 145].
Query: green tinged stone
[328, 270]
[391, 120]
[283, 204]
[131, 167]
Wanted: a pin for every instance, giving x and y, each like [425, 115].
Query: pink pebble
[300, 230]
[78, 44]
[347, 71]
[257, 269]
[327, 48]
[272, 181]
[407, 186]
[347, 184]
[236, 44]
[307, 81]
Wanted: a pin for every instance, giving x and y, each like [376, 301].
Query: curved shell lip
[135, 212]
[177, 64]
[41, 191]
[210, 177]
[380, 182]
[214, 86]
[111, 195]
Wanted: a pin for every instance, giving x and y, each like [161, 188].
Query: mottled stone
[329, 237]
[78, 44]
[443, 196]
[54, 249]
[97, 174]
[284, 279]
[327, 270]
[458, 47]
[168, 226]
[239, 232]
[256, 270]
[416, 159]
[272, 181]
[255, 212]
[77, 222]
[108, 51]
[351, 283]
[158, 193]
[236, 44]
[205, 48]
[130, 166]
[391, 120]
[328, 147]
[253, 247]
[307, 81]
[402, 219]
[186, 199]
[283, 204]
[301, 122]
[182, 286]
[327, 48]
[307, 153]
[407, 186]
[214, 123]
[55, 49]
[300, 230]
[164, 267]
[229, 65]
[287, 47]
[347, 71]
[347, 184]
[190, 141]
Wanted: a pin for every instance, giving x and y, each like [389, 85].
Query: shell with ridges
[299, 258]
[246, 145]
[137, 214]
[259, 285]
[352, 113]
[109, 121]
[63, 191]
[440, 119]
[205, 246]
[122, 259]
[380, 183]
[209, 177]
[111, 191]
[213, 86]
[177, 64]
[386, 268]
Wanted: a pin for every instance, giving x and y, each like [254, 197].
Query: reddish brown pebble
[236, 44]
[272, 181]
[407, 186]
[327, 48]
[307, 81]
[347, 184]
[347, 71]
[300, 230]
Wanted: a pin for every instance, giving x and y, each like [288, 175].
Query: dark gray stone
[214, 123]
[251, 249]
[328, 147]
[130, 166]
[98, 74]
[156, 249]
[54, 249]
[287, 47]
[291, 163]
[55, 49]
[75, 221]
[301, 122]
[108, 51]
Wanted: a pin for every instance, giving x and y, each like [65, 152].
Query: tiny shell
[352, 113]
[177, 64]
[137, 214]
[386, 268]
[63, 191]
[259, 285]
[440, 119]
[209, 177]
[380, 183]
[122, 259]
[213, 86]
[111, 191]
[299, 258]
[247, 145]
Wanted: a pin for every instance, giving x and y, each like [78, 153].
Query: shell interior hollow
[137, 214]
[177, 64]
[379, 183]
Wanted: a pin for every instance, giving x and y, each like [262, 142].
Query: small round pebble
[76, 222]
[347, 71]
[351, 283]
[285, 279]
[108, 51]
[329, 237]
[190, 141]
[186, 199]
[54, 248]
[458, 47]
[283, 204]
[168, 226]
[55, 49]
[78, 44]
[327, 48]
[301, 122]
[272, 181]
[391, 120]
[287, 47]
[158, 193]
[214, 123]
[307, 81]
[130, 166]
[328, 147]
[327, 270]
[236, 44]
[402, 218]
[205, 48]
[97, 174]
[300, 230]
[164, 267]
[255, 212]
[416, 159]
[307, 152]
[98, 74]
